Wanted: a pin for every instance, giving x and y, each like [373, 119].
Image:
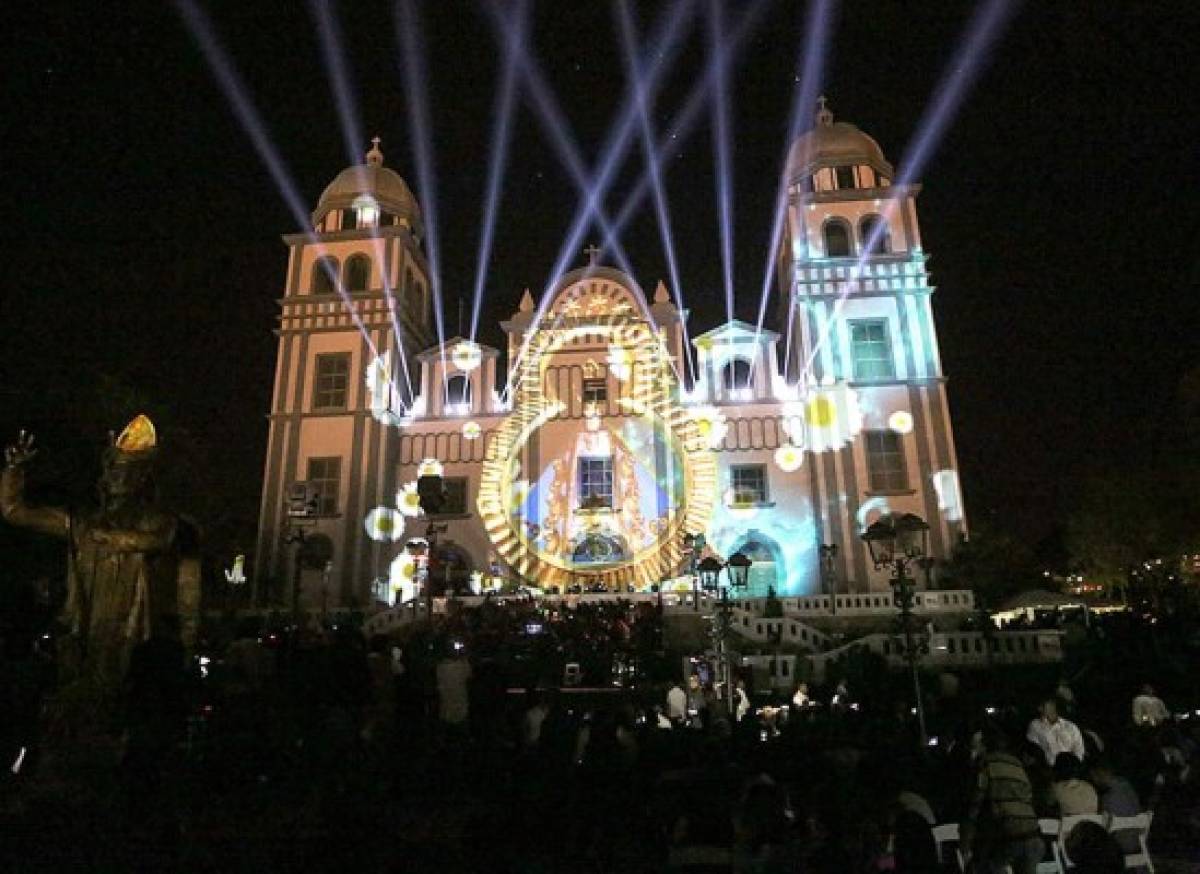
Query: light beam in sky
[416, 89]
[329, 34]
[247, 114]
[661, 207]
[502, 112]
[718, 75]
[968, 61]
[818, 25]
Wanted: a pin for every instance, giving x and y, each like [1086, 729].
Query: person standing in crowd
[800, 699]
[535, 715]
[1054, 734]
[1149, 709]
[1117, 795]
[1001, 829]
[840, 702]
[1065, 695]
[1072, 793]
[741, 700]
[697, 702]
[453, 678]
[677, 702]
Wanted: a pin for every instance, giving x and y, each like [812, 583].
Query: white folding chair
[1053, 865]
[1140, 826]
[1068, 824]
[943, 836]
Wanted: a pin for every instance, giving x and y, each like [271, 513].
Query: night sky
[142, 232]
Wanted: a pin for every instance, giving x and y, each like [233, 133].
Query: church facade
[586, 453]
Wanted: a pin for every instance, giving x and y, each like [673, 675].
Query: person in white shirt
[742, 701]
[1054, 734]
[801, 700]
[1148, 708]
[677, 704]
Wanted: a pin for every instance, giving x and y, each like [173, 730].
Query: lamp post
[431, 492]
[828, 552]
[895, 542]
[418, 548]
[738, 571]
[693, 545]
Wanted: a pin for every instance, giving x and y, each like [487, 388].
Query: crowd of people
[444, 748]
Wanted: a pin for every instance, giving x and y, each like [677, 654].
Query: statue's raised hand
[21, 451]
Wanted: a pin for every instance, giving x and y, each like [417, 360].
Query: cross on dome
[824, 115]
[375, 157]
[593, 253]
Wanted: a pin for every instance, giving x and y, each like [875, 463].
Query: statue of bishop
[125, 577]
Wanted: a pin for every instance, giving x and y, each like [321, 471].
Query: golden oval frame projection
[652, 395]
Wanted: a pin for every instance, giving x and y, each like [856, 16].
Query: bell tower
[354, 311]
[856, 309]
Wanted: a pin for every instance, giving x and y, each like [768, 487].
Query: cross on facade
[593, 253]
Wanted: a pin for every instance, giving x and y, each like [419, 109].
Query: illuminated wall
[589, 458]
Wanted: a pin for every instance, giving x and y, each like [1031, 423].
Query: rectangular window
[595, 390]
[595, 482]
[845, 178]
[748, 482]
[331, 379]
[325, 476]
[871, 350]
[455, 488]
[885, 462]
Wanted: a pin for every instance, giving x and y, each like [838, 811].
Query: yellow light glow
[789, 458]
[901, 421]
[466, 355]
[471, 430]
[408, 502]
[430, 467]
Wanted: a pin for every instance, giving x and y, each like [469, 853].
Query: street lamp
[709, 572]
[828, 553]
[894, 542]
[693, 545]
[431, 493]
[737, 569]
[418, 548]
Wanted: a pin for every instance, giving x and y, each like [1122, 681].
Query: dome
[833, 144]
[389, 191]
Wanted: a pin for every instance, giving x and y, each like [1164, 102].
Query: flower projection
[789, 459]
[384, 524]
[901, 421]
[833, 416]
[408, 501]
[466, 355]
[711, 424]
[430, 467]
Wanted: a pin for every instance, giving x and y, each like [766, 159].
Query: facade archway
[769, 568]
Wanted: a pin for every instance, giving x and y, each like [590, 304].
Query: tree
[994, 565]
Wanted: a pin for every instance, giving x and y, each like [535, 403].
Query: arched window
[358, 272]
[324, 275]
[735, 377]
[868, 228]
[458, 394]
[837, 239]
